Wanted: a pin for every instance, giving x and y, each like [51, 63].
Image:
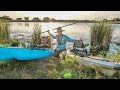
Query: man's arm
[71, 40]
[54, 37]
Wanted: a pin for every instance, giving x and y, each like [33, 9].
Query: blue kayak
[24, 54]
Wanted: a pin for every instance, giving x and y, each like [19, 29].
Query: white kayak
[108, 67]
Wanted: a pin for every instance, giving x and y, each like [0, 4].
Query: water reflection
[26, 24]
[19, 23]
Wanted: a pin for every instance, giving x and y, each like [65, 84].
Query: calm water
[74, 31]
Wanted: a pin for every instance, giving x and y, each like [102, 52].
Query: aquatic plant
[4, 31]
[101, 34]
[36, 37]
[15, 43]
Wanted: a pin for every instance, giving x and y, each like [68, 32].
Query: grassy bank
[113, 57]
[48, 69]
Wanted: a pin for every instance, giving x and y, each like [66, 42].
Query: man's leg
[56, 54]
[63, 54]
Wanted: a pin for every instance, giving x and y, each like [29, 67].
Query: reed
[101, 34]
[4, 31]
[36, 38]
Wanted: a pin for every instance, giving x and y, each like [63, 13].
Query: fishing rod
[53, 29]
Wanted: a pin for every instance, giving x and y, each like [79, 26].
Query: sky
[62, 14]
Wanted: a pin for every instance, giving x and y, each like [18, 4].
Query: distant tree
[105, 20]
[26, 18]
[36, 19]
[46, 19]
[53, 19]
[86, 20]
[19, 19]
[116, 19]
[6, 17]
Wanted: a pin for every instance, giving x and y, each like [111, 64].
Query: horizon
[65, 15]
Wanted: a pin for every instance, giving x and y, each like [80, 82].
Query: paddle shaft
[53, 29]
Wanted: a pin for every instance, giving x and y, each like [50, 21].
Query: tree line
[47, 19]
[37, 19]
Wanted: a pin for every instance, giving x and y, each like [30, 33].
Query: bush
[36, 37]
[23, 44]
[101, 34]
[4, 31]
[4, 45]
[15, 43]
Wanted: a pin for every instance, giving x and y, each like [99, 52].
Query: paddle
[61, 27]
[52, 29]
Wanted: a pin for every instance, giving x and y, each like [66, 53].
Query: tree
[6, 17]
[26, 18]
[46, 19]
[19, 19]
[105, 20]
[116, 19]
[36, 19]
[52, 19]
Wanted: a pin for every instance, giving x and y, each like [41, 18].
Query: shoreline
[113, 22]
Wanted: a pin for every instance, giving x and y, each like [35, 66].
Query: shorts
[57, 53]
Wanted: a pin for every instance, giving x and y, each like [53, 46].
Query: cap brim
[61, 30]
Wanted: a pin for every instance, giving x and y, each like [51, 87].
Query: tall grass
[36, 37]
[4, 31]
[101, 34]
[113, 57]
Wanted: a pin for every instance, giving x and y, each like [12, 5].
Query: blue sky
[63, 14]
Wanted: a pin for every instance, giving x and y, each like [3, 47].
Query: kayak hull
[107, 67]
[24, 54]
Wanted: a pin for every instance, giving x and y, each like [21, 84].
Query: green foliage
[4, 31]
[23, 44]
[66, 74]
[87, 73]
[4, 45]
[113, 57]
[53, 74]
[39, 74]
[36, 37]
[101, 34]
[15, 43]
